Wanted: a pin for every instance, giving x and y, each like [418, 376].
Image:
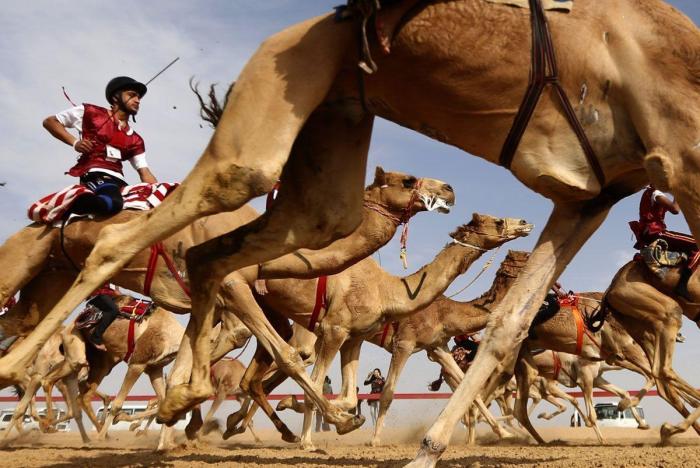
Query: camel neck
[411, 293]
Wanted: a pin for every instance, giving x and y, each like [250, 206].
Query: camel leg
[603, 384]
[586, 384]
[349, 361]
[552, 401]
[331, 338]
[241, 162]
[399, 357]
[251, 383]
[443, 357]
[668, 430]
[132, 375]
[220, 396]
[568, 228]
[70, 393]
[525, 374]
[17, 417]
[552, 387]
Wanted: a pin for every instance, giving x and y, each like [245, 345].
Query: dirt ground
[569, 447]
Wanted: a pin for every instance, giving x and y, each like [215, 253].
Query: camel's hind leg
[568, 228]
[525, 373]
[283, 83]
[603, 384]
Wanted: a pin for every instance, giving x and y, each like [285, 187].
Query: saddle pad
[561, 5]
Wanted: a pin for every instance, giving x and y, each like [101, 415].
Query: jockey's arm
[667, 203]
[56, 128]
[146, 175]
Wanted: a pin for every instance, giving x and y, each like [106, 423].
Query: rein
[486, 266]
[545, 72]
[157, 250]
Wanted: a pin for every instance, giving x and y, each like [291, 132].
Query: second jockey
[651, 226]
[105, 141]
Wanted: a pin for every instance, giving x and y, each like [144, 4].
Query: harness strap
[321, 302]
[544, 72]
[130, 345]
[580, 328]
[557, 365]
[385, 331]
[271, 195]
[157, 250]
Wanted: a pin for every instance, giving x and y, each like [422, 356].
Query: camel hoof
[375, 442]
[210, 426]
[194, 425]
[307, 446]
[290, 437]
[349, 425]
[140, 433]
[543, 416]
[134, 426]
[179, 400]
[230, 432]
[643, 427]
[667, 431]
[285, 403]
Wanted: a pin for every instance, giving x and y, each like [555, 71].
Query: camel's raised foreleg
[133, 373]
[568, 228]
[242, 162]
[399, 357]
[525, 375]
[624, 395]
[349, 362]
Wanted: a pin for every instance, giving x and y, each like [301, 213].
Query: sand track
[628, 448]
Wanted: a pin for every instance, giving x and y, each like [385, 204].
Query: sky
[80, 45]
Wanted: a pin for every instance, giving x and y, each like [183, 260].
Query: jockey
[103, 299]
[105, 141]
[651, 226]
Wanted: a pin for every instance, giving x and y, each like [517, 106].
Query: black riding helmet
[122, 83]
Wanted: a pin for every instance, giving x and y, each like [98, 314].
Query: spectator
[376, 381]
[321, 423]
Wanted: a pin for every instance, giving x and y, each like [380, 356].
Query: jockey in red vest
[105, 141]
[651, 226]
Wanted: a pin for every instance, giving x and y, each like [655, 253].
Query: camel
[157, 338]
[444, 79]
[362, 298]
[572, 371]
[431, 328]
[393, 197]
[647, 306]
[49, 356]
[226, 376]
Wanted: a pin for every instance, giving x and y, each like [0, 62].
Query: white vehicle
[132, 410]
[6, 418]
[609, 416]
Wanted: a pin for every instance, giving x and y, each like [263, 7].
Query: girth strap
[385, 331]
[545, 72]
[580, 327]
[320, 303]
[157, 250]
[557, 365]
[136, 315]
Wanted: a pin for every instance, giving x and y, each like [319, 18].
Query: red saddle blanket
[52, 207]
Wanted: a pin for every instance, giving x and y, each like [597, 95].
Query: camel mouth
[435, 203]
[522, 231]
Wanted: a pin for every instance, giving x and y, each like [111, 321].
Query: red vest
[102, 131]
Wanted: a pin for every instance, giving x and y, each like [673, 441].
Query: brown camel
[431, 328]
[443, 79]
[157, 338]
[647, 306]
[363, 297]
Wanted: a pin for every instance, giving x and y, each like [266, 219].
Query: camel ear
[476, 218]
[379, 176]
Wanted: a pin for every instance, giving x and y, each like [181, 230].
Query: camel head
[406, 195]
[513, 264]
[488, 232]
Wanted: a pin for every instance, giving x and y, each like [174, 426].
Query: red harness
[321, 301]
[385, 331]
[572, 302]
[157, 250]
[136, 310]
[557, 365]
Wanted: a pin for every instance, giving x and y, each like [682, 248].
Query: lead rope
[405, 218]
[486, 266]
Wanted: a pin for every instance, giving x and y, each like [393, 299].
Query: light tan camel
[443, 79]
[431, 328]
[363, 297]
[157, 339]
[572, 371]
[49, 356]
[226, 376]
[647, 306]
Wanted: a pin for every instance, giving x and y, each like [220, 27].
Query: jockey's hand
[83, 146]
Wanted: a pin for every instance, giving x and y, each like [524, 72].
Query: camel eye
[499, 222]
[409, 182]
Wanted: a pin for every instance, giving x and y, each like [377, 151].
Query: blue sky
[81, 45]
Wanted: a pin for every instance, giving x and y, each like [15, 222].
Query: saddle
[658, 258]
